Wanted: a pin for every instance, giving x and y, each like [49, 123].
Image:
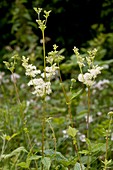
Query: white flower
[31, 70]
[22, 86]
[36, 82]
[65, 135]
[14, 77]
[40, 87]
[48, 75]
[101, 84]
[82, 138]
[95, 71]
[47, 98]
[81, 77]
[64, 131]
[90, 118]
[89, 77]
[48, 87]
[99, 113]
[50, 71]
[86, 79]
[112, 137]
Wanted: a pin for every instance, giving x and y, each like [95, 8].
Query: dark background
[70, 23]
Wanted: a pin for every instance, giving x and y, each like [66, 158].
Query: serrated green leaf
[72, 131]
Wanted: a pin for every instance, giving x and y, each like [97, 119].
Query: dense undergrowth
[66, 123]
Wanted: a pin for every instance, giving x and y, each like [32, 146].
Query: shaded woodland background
[71, 23]
[86, 24]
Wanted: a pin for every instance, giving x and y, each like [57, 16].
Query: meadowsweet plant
[88, 78]
[41, 85]
[41, 80]
[107, 162]
[11, 66]
[74, 132]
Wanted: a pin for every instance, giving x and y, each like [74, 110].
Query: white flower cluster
[14, 77]
[50, 71]
[82, 137]
[101, 84]
[41, 86]
[30, 69]
[3, 78]
[89, 77]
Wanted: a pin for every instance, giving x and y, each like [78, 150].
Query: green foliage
[36, 132]
[72, 132]
[77, 167]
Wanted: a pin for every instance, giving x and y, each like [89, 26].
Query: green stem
[78, 155]
[43, 135]
[54, 137]
[16, 89]
[43, 132]
[88, 114]
[66, 97]
[44, 54]
[3, 149]
[44, 102]
[107, 140]
[30, 146]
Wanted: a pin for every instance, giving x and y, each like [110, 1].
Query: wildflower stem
[88, 114]
[68, 102]
[107, 140]
[30, 143]
[44, 102]
[3, 148]
[54, 137]
[43, 132]
[78, 155]
[16, 89]
[44, 54]
[70, 114]
[43, 129]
